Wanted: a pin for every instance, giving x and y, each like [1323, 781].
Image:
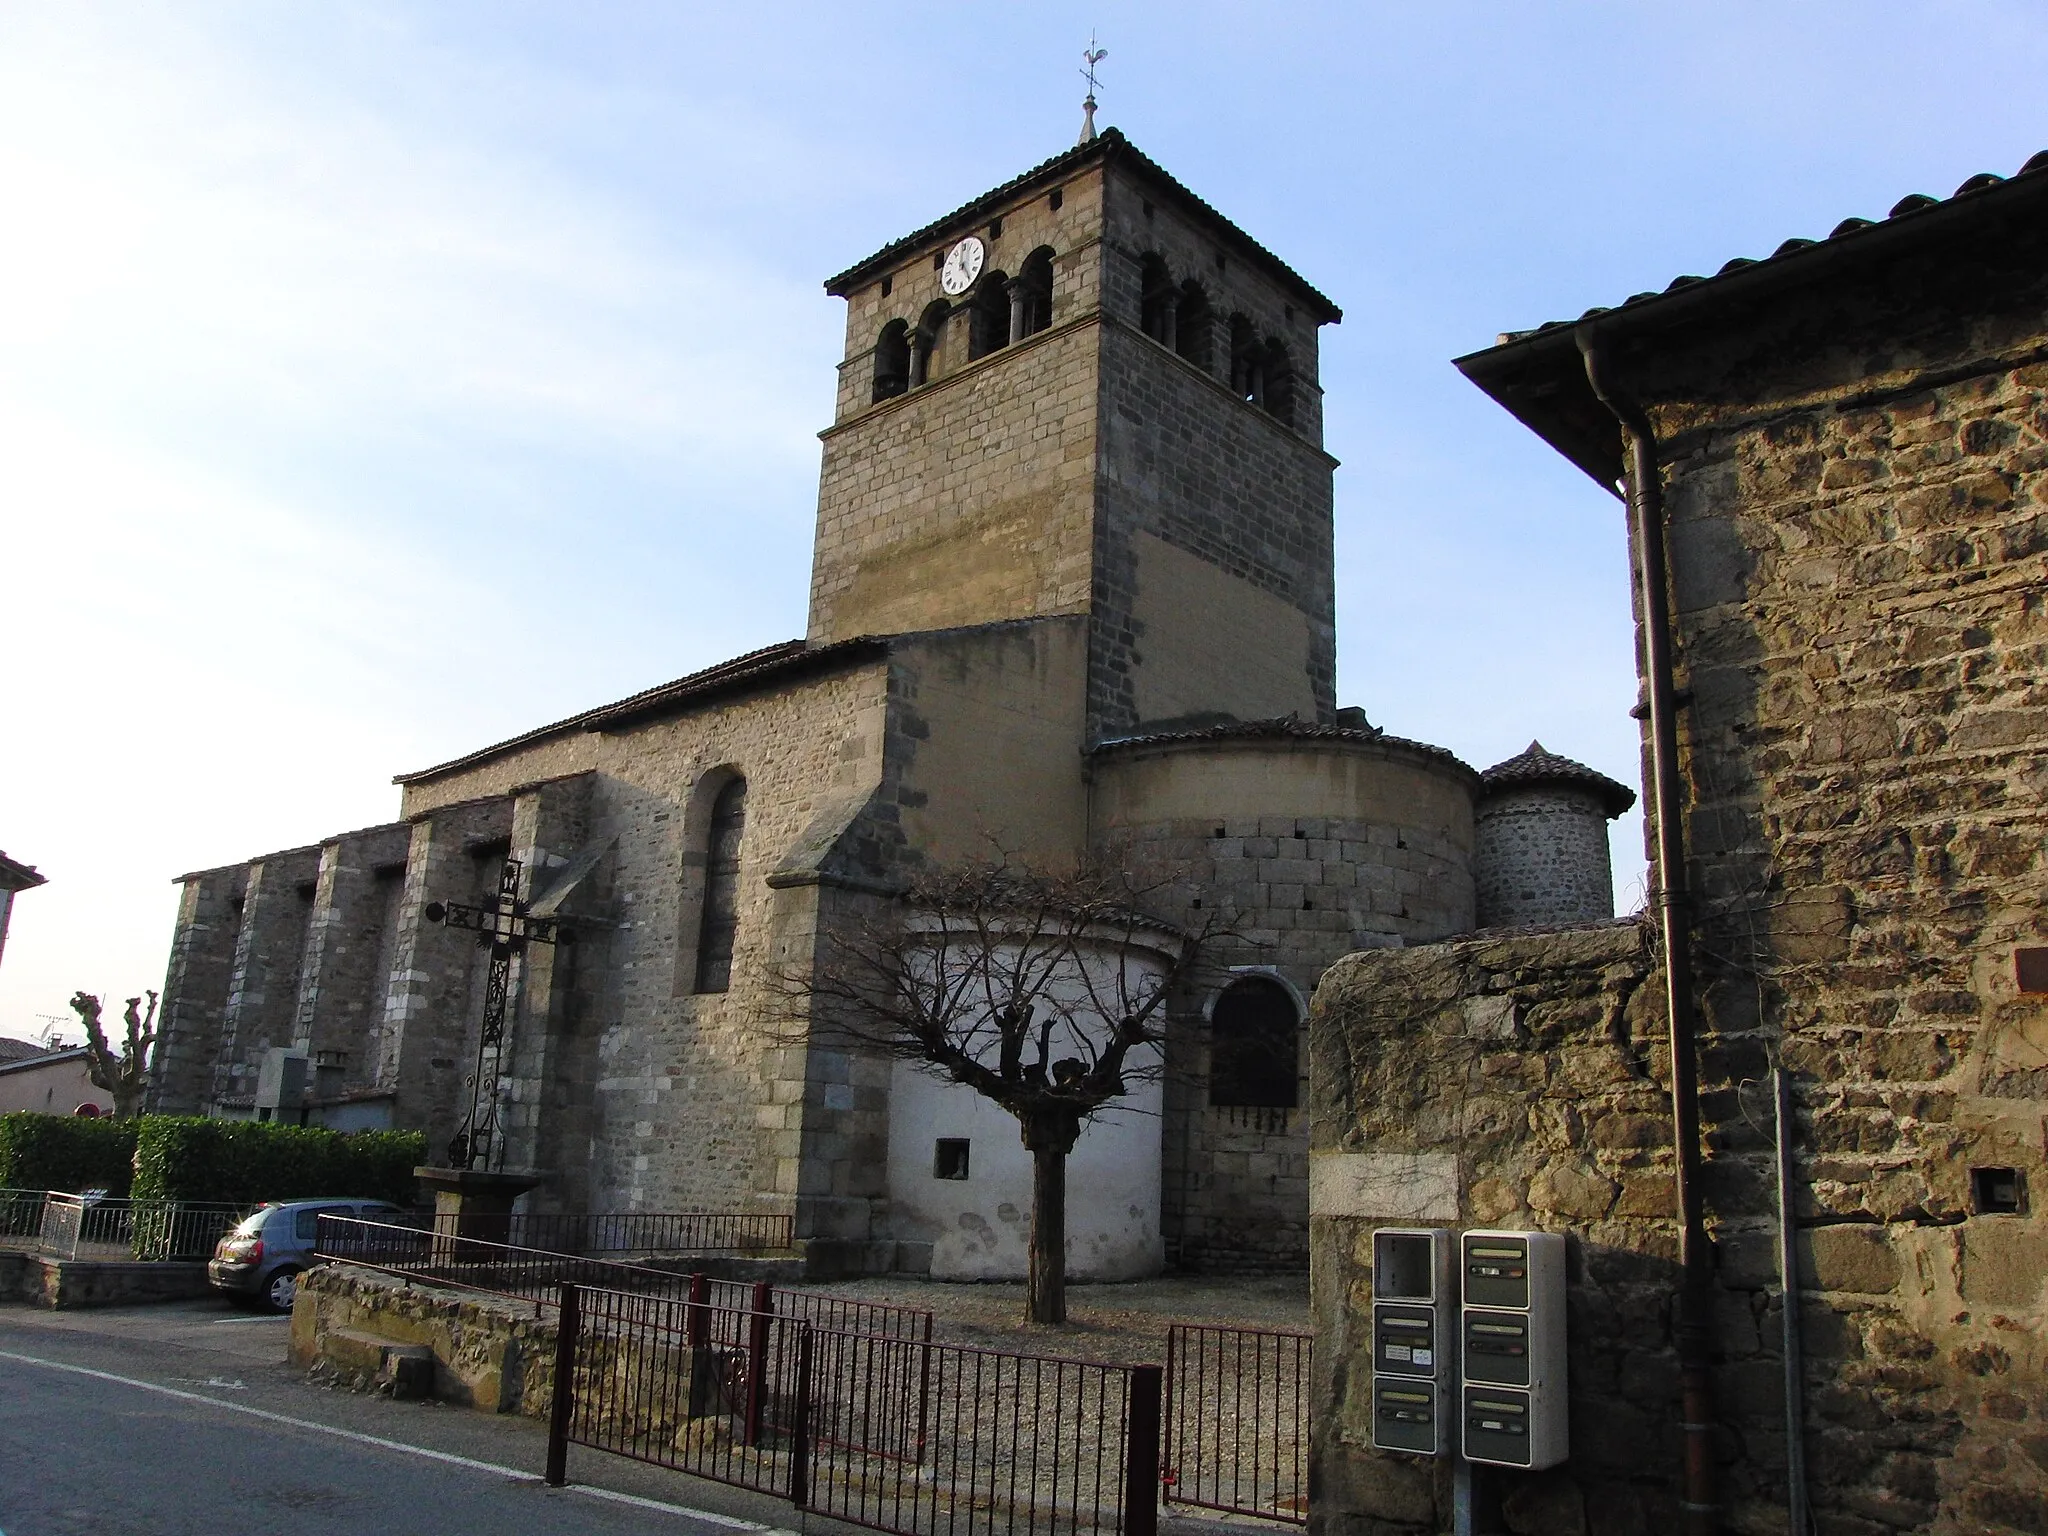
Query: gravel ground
[1125, 1323]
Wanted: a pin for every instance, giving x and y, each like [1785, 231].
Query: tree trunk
[1046, 1285]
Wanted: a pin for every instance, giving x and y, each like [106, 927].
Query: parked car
[263, 1255]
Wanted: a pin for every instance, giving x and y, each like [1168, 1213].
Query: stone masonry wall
[196, 988]
[1298, 893]
[1857, 486]
[1542, 858]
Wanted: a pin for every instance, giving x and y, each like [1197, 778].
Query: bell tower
[1088, 393]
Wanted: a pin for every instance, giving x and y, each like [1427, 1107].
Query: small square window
[1998, 1191]
[2031, 968]
[949, 1158]
[995, 229]
[1058, 197]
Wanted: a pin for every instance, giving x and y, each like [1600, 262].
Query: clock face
[963, 266]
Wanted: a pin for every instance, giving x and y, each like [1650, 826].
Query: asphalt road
[186, 1419]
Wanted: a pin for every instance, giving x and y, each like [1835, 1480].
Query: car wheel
[281, 1289]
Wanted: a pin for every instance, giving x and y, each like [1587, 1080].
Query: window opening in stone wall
[1031, 305]
[1194, 327]
[988, 322]
[1247, 377]
[995, 229]
[892, 360]
[949, 1158]
[888, 286]
[1057, 197]
[1279, 380]
[924, 340]
[1998, 1191]
[1254, 1047]
[1155, 298]
[721, 888]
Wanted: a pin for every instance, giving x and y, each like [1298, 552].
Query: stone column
[263, 992]
[343, 982]
[921, 343]
[192, 1016]
[1019, 295]
[1169, 319]
[431, 1007]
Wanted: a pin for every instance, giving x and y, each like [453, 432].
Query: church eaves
[1538, 374]
[1109, 147]
[777, 663]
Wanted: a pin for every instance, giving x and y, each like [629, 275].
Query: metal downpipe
[1692, 1319]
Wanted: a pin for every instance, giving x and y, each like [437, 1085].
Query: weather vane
[1093, 56]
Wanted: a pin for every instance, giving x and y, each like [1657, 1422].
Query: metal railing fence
[532, 1275]
[652, 1232]
[92, 1226]
[21, 1217]
[890, 1431]
[1236, 1421]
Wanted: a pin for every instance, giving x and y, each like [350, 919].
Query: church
[1072, 597]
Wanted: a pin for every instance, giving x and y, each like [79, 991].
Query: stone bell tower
[1088, 393]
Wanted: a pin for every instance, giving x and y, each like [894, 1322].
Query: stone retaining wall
[490, 1352]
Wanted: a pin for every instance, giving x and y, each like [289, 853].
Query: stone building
[1850, 439]
[1072, 594]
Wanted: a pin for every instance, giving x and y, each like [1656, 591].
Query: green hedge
[67, 1152]
[242, 1162]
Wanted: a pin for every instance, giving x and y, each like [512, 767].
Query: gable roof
[1108, 147]
[1539, 376]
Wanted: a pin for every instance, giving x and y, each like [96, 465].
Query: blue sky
[379, 380]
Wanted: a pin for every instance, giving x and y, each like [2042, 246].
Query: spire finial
[1093, 56]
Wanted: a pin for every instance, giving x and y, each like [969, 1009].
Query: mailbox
[1511, 1349]
[1413, 1308]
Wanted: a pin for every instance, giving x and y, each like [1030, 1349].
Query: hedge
[243, 1162]
[67, 1152]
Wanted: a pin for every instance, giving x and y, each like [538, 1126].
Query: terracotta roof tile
[1537, 766]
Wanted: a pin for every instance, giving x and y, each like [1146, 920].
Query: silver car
[263, 1255]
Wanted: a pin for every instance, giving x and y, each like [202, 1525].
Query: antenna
[1093, 56]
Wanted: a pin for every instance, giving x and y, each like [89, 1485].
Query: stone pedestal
[471, 1203]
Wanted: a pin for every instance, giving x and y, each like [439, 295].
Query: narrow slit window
[721, 888]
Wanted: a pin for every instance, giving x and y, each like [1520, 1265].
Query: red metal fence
[1236, 1421]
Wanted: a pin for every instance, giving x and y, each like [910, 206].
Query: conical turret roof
[1537, 766]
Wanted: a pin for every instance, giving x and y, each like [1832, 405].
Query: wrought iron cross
[505, 928]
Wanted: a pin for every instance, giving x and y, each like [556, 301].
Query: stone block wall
[1542, 858]
[1292, 893]
[261, 1010]
[195, 996]
[1527, 1077]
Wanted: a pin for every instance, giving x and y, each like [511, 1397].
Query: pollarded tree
[126, 1076]
[1043, 993]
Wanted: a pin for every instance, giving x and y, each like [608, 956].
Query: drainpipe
[1692, 1316]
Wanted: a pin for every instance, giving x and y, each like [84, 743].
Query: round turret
[1541, 841]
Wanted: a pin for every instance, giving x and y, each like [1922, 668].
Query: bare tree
[124, 1076]
[1043, 993]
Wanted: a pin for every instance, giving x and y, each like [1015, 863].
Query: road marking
[709, 1517]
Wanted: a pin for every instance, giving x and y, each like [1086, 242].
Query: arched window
[1254, 1050]
[1155, 298]
[1247, 377]
[892, 360]
[924, 341]
[721, 887]
[988, 325]
[1279, 371]
[1034, 282]
[1194, 330]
